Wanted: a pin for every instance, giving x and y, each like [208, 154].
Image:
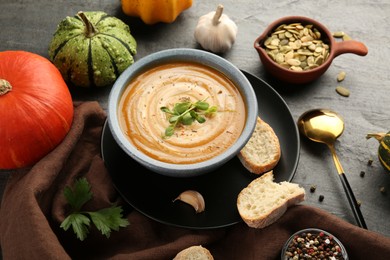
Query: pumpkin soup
[144, 123]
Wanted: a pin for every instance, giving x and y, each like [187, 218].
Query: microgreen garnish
[186, 113]
[105, 220]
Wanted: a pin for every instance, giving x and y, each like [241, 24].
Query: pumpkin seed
[294, 62]
[280, 27]
[283, 42]
[302, 58]
[303, 64]
[296, 68]
[346, 37]
[342, 91]
[281, 36]
[294, 32]
[310, 60]
[289, 55]
[279, 32]
[341, 76]
[338, 34]
[275, 42]
[341, 34]
[267, 41]
[306, 38]
[279, 58]
[285, 49]
[293, 46]
[288, 34]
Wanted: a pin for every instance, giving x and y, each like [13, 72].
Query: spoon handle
[352, 201]
[348, 190]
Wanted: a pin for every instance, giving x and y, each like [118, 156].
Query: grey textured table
[29, 24]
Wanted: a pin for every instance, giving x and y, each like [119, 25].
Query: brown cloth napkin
[33, 207]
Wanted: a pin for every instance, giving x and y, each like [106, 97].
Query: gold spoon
[325, 126]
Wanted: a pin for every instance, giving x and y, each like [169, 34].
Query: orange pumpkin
[36, 109]
[154, 11]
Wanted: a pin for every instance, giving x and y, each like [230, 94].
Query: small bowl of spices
[298, 50]
[313, 243]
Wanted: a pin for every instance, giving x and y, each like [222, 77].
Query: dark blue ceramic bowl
[184, 55]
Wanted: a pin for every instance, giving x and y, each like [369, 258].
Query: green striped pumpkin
[384, 148]
[92, 49]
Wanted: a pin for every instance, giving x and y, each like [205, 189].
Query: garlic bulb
[215, 31]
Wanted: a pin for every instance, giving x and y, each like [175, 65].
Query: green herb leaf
[181, 108]
[201, 119]
[187, 119]
[79, 224]
[166, 110]
[79, 195]
[186, 113]
[108, 219]
[202, 105]
[211, 110]
[174, 119]
[170, 130]
[197, 117]
[105, 219]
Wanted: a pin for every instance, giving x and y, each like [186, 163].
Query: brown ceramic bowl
[301, 77]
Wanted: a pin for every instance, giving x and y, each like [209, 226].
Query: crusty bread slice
[194, 253]
[264, 201]
[262, 152]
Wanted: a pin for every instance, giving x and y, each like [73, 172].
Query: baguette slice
[194, 253]
[264, 201]
[262, 152]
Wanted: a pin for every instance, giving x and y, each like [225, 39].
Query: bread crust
[262, 151]
[288, 194]
[194, 253]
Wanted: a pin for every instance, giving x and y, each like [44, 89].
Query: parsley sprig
[105, 220]
[186, 113]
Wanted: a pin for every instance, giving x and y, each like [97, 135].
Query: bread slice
[264, 201]
[262, 152]
[194, 253]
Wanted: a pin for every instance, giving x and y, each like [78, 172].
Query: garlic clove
[193, 198]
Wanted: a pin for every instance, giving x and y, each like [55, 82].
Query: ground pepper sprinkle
[314, 245]
[370, 161]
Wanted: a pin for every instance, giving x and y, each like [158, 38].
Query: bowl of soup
[182, 112]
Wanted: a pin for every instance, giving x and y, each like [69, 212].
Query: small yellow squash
[154, 11]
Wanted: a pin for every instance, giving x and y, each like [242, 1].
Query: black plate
[152, 194]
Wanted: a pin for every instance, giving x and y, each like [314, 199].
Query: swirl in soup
[144, 124]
